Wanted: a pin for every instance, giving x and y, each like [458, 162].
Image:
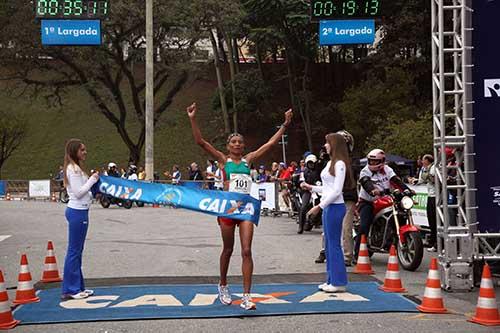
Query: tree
[112, 75]
[375, 106]
[12, 133]
[391, 108]
[220, 20]
[410, 138]
[284, 26]
[252, 92]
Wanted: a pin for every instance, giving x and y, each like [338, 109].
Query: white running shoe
[224, 295]
[333, 289]
[89, 292]
[246, 303]
[80, 295]
[321, 286]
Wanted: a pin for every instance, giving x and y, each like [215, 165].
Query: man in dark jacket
[310, 176]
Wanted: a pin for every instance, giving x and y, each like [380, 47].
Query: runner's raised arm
[191, 111]
[255, 155]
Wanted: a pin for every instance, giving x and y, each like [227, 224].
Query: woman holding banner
[335, 177]
[236, 175]
[78, 185]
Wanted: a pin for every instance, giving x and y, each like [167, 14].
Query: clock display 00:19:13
[346, 8]
[72, 8]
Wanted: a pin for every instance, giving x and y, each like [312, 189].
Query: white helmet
[376, 160]
[348, 138]
[111, 165]
[311, 158]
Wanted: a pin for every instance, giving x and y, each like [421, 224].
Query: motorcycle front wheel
[105, 202]
[127, 204]
[411, 253]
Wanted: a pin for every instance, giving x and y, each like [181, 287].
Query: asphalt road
[168, 243]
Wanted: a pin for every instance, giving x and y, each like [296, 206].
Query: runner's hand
[288, 117]
[95, 175]
[191, 110]
[305, 186]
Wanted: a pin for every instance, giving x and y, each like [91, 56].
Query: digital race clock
[72, 9]
[345, 9]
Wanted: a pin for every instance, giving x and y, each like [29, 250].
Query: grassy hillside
[43, 150]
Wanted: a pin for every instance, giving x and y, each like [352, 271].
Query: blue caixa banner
[347, 32]
[71, 32]
[218, 203]
[486, 93]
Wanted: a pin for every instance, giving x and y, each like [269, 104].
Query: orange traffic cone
[53, 198]
[50, 271]
[8, 197]
[486, 310]
[392, 282]
[6, 319]
[363, 266]
[156, 205]
[25, 292]
[433, 300]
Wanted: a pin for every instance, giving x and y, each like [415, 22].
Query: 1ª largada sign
[71, 32]
[347, 32]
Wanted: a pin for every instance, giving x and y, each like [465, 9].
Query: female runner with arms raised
[236, 175]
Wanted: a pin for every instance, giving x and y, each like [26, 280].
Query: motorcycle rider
[375, 178]
[113, 170]
[132, 173]
[311, 176]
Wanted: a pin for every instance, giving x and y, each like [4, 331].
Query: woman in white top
[78, 185]
[335, 177]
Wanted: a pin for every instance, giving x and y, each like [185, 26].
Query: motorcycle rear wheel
[410, 254]
[127, 204]
[105, 202]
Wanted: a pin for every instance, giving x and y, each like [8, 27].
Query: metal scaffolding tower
[453, 141]
[460, 245]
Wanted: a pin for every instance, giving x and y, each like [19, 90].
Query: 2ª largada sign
[71, 32]
[347, 32]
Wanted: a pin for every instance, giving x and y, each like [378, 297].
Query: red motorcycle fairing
[403, 230]
[381, 203]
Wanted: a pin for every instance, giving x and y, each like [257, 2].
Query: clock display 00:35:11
[72, 8]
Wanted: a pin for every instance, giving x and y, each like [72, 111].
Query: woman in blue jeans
[335, 177]
[78, 185]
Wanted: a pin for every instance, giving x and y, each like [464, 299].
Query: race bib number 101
[240, 183]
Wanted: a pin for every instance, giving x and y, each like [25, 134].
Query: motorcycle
[393, 224]
[107, 201]
[315, 198]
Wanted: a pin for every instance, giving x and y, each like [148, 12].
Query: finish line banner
[219, 203]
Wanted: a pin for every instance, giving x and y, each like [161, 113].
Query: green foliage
[12, 133]
[374, 105]
[252, 93]
[42, 150]
[410, 139]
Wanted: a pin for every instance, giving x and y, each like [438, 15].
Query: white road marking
[4, 237]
